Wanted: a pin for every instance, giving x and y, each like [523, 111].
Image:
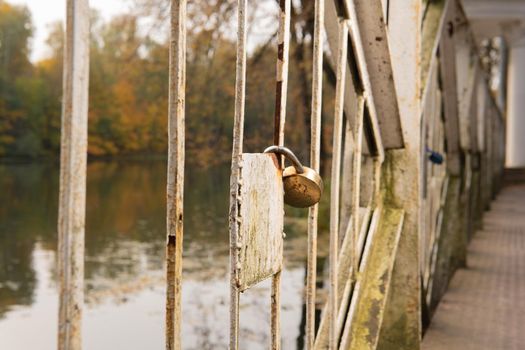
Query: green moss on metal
[375, 280]
[401, 328]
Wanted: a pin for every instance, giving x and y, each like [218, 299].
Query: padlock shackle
[288, 154]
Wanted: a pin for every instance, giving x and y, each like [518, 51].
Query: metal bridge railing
[417, 156]
[462, 121]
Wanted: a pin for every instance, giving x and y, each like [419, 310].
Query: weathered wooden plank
[261, 216]
[175, 183]
[372, 289]
[369, 32]
[73, 158]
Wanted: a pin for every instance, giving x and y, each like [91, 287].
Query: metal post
[73, 157]
[279, 122]
[283, 48]
[238, 128]
[276, 312]
[336, 177]
[317, 90]
[403, 308]
[175, 185]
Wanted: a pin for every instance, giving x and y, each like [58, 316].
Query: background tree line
[129, 81]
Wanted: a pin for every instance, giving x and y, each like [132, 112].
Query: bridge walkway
[484, 307]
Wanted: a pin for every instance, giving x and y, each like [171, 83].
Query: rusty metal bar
[235, 187]
[317, 89]
[73, 158]
[335, 183]
[175, 183]
[283, 48]
[279, 123]
[276, 312]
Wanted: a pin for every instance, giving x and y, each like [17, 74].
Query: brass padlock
[303, 187]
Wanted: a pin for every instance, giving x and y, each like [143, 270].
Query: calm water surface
[124, 269]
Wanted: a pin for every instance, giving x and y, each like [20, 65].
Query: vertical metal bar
[73, 157]
[317, 89]
[356, 195]
[175, 183]
[335, 183]
[235, 186]
[283, 49]
[276, 312]
[346, 175]
[278, 139]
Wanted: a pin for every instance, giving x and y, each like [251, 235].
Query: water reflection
[124, 260]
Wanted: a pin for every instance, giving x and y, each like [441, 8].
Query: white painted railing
[417, 156]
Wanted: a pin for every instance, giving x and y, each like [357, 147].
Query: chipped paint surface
[346, 278]
[369, 32]
[261, 217]
[418, 229]
[374, 281]
[175, 176]
[73, 159]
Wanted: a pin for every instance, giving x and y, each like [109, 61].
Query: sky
[45, 12]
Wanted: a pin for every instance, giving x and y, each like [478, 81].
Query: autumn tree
[15, 31]
[128, 94]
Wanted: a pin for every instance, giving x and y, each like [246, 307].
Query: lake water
[124, 261]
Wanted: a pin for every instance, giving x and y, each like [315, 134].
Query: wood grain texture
[261, 216]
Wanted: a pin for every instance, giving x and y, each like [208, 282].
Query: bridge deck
[484, 307]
